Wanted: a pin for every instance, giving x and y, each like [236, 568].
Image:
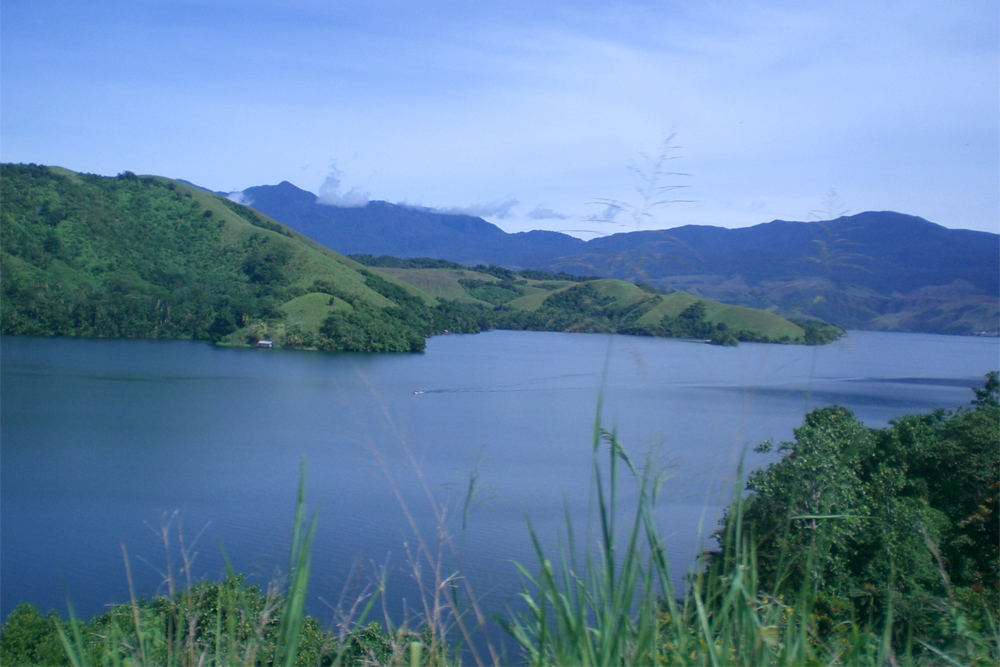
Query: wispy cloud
[329, 192]
[452, 103]
[544, 213]
[494, 209]
[609, 214]
[240, 198]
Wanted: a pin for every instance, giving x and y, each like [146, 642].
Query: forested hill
[874, 270]
[148, 257]
[497, 298]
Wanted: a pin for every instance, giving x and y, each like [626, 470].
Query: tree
[903, 517]
[990, 393]
[28, 638]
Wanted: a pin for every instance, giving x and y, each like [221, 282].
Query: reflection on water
[102, 438]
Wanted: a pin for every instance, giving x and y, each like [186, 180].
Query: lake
[102, 440]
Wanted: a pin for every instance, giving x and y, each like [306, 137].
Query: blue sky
[532, 114]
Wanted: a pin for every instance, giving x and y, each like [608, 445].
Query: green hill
[148, 257]
[534, 300]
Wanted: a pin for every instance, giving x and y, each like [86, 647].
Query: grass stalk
[299, 565]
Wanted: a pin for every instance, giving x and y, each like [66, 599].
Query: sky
[584, 117]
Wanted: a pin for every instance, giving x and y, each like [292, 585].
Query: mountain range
[873, 270]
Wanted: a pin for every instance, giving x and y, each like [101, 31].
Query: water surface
[102, 439]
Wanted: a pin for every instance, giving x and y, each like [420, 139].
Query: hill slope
[880, 270]
[153, 258]
[494, 297]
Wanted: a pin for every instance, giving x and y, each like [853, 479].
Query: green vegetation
[147, 257]
[898, 523]
[204, 623]
[388, 262]
[859, 546]
[499, 298]
[817, 332]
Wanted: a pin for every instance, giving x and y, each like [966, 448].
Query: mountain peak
[284, 192]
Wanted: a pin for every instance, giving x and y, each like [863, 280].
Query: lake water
[101, 439]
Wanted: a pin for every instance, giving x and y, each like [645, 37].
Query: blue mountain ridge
[855, 269]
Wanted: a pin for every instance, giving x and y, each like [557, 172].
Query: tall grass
[215, 625]
[612, 601]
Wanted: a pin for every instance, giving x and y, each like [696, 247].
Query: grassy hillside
[439, 283]
[149, 257]
[538, 301]
[734, 317]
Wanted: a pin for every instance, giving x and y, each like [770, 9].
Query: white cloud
[329, 192]
[240, 198]
[544, 213]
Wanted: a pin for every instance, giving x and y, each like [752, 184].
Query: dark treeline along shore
[149, 257]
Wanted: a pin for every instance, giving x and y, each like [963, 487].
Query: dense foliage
[212, 623]
[125, 257]
[387, 261]
[818, 332]
[146, 257]
[398, 328]
[900, 522]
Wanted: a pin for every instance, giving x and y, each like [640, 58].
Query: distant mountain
[381, 228]
[883, 251]
[879, 270]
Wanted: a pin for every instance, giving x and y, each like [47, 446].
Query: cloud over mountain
[329, 192]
